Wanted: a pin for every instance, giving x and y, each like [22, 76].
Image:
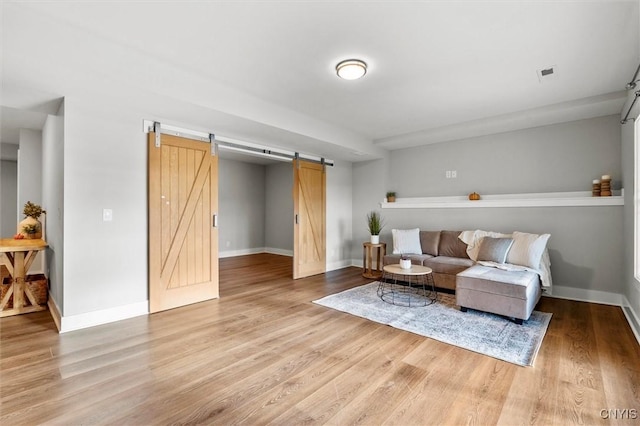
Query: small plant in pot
[375, 225]
[391, 197]
[405, 261]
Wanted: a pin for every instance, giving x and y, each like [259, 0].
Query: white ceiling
[264, 70]
[15, 119]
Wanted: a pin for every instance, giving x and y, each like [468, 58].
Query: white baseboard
[585, 295]
[357, 263]
[243, 252]
[281, 252]
[340, 264]
[255, 250]
[104, 316]
[632, 317]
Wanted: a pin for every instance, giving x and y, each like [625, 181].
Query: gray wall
[370, 184]
[8, 198]
[279, 207]
[8, 151]
[339, 219]
[53, 201]
[557, 158]
[241, 203]
[29, 168]
[586, 242]
[105, 156]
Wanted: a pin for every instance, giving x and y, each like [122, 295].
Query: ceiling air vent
[547, 74]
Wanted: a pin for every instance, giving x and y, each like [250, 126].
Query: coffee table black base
[412, 291]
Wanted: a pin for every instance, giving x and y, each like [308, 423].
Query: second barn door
[309, 204]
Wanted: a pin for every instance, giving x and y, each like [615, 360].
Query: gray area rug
[480, 332]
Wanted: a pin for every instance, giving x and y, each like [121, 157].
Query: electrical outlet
[107, 215]
[454, 174]
[447, 174]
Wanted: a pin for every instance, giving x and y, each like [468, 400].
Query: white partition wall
[53, 201]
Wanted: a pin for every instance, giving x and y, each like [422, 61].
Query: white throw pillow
[527, 249]
[406, 241]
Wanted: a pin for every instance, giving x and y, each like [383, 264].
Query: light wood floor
[263, 353]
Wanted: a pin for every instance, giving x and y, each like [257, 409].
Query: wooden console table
[367, 259]
[17, 256]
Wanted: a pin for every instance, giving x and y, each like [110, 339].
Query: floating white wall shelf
[546, 199]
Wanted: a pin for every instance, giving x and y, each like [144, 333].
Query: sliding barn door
[309, 202]
[183, 238]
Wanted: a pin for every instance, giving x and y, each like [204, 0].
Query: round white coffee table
[407, 287]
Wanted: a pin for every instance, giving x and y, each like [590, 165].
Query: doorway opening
[255, 218]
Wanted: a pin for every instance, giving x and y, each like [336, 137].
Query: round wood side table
[368, 249]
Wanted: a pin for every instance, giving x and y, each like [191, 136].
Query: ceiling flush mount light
[351, 69]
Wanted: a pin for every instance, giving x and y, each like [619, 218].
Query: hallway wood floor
[263, 353]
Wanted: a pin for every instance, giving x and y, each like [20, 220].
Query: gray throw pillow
[494, 249]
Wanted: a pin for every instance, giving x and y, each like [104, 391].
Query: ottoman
[509, 293]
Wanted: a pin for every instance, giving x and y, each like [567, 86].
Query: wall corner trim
[104, 316]
[55, 312]
[633, 317]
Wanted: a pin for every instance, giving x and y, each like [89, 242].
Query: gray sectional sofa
[513, 293]
[443, 252]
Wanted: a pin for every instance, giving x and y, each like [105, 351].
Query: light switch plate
[107, 215]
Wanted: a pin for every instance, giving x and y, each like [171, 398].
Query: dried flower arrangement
[32, 210]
